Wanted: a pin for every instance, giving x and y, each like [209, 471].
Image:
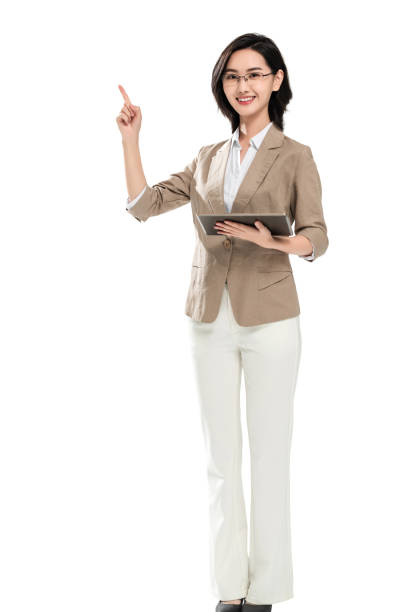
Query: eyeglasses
[253, 77]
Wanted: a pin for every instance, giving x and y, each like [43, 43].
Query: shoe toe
[248, 607]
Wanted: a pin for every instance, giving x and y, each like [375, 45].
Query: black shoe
[223, 607]
[248, 607]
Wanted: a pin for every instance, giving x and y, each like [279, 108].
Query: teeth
[245, 99]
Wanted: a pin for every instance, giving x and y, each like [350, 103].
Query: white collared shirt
[235, 171]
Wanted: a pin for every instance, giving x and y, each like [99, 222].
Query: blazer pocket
[266, 279]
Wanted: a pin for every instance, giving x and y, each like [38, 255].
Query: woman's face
[244, 62]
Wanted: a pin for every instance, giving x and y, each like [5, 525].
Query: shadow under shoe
[223, 607]
[248, 607]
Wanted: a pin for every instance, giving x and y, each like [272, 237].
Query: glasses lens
[230, 79]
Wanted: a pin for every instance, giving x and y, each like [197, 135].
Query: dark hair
[273, 57]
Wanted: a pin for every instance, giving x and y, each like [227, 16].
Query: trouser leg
[217, 367]
[270, 357]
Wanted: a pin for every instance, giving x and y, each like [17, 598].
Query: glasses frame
[243, 76]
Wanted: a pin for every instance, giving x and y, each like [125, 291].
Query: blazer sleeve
[307, 204]
[166, 195]
[130, 203]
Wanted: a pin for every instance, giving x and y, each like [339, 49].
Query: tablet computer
[277, 223]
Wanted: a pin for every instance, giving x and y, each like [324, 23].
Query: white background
[103, 478]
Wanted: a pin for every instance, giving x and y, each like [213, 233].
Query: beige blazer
[282, 178]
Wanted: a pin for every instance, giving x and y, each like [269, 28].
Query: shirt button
[227, 243]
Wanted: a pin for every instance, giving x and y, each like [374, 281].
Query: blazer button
[227, 243]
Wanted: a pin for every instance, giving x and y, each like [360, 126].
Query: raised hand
[129, 119]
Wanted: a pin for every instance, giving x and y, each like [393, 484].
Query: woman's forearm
[135, 178]
[295, 245]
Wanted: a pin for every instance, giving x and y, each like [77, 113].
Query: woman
[243, 309]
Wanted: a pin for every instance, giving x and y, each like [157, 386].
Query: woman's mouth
[246, 99]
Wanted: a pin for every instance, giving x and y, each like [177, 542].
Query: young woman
[243, 309]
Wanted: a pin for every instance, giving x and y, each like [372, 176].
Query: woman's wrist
[127, 143]
[280, 243]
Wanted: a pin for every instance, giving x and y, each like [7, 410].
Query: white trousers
[269, 355]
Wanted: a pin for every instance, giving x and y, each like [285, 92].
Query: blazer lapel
[262, 162]
[215, 179]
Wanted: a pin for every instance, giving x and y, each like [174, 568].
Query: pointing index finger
[124, 94]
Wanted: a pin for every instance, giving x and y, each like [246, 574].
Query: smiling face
[245, 62]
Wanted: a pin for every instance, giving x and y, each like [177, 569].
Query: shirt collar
[255, 141]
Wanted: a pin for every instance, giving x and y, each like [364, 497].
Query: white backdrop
[102, 473]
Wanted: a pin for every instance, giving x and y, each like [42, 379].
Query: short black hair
[273, 57]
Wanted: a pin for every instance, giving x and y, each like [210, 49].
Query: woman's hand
[260, 235]
[129, 119]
